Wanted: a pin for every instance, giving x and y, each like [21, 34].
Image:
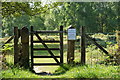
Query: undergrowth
[90, 71]
[68, 71]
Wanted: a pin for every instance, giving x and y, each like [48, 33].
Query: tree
[29, 8]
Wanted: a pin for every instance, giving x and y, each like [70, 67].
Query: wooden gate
[36, 33]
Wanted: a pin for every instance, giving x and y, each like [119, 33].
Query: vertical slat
[61, 45]
[25, 47]
[16, 51]
[31, 47]
[82, 45]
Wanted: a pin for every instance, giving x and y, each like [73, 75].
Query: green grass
[66, 71]
[96, 71]
[87, 71]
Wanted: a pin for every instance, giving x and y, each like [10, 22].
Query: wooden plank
[47, 48]
[31, 47]
[25, 47]
[48, 31]
[83, 56]
[46, 41]
[100, 47]
[16, 50]
[46, 64]
[8, 40]
[70, 51]
[45, 56]
[61, 44]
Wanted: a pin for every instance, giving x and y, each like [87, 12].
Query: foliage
[21, 8]
[87, 71]
[96, 17]
[17, 73]
[69, 71]
[95, 71]
[7, 48]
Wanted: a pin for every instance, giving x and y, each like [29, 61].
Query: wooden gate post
[118, 50]
[61, 44]
[71, 44]
[16, 50]
[25, 47]
[83, 58]
[31, 48]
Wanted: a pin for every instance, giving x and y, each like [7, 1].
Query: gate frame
[46, 48]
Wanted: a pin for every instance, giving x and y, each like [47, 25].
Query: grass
[96, 71]
[66, 71]
[86, 71]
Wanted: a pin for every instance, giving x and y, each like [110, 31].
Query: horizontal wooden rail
[48, 31]
[48, 41]
[46, 49]
[100, 47]
[45, 64]
[8, 40]
[45, 56]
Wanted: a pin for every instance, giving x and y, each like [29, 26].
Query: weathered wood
[83, 55]
[100, 47]
[16, 50]
[56, 58]
[8, 40]
[70, 50]
[25, 47]
[46, 41]
[32, 47]
[46, 64]
[47, 48]
[45, 56]
[48, 31]
[61, 44]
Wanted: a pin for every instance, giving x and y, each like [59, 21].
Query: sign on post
[71, 44]
[71, 34]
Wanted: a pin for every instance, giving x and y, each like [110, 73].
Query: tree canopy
[95, 16]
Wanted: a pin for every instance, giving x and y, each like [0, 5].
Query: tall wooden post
[16, 50]
[82, 30]
[70, 51]
[31, 48]
[25, 47]
[118, 50]
[71, 44]
[61, 44]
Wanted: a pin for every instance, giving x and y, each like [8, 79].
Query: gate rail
[46, 47]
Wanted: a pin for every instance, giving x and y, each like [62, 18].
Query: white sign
[71, 34]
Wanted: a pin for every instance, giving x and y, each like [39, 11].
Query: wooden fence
[21, 46]
[21, 49]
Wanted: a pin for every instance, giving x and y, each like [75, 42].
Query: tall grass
[67, 71]
[86, 71]
[94, 71]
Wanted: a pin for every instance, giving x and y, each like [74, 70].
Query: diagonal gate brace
[47, 48]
